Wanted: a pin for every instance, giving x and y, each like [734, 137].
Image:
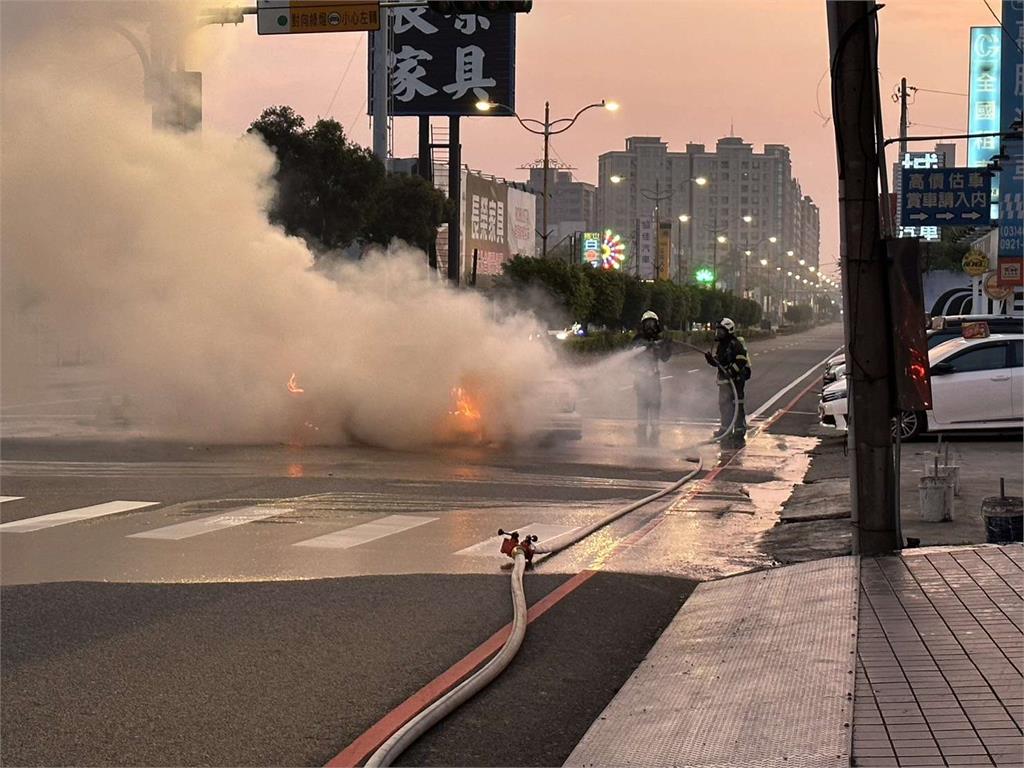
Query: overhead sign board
[290, 17]
[498, 222]
[443, 64]
[946, 197]
[915, 161]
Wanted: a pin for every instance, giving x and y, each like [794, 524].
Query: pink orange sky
[685, 70]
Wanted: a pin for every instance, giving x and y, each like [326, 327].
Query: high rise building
[571, 203]
[735, 199]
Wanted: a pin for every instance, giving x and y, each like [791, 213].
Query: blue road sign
[946, 197]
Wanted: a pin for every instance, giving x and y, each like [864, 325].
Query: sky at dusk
[684, 70]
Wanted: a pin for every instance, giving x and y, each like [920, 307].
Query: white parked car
[976, 384]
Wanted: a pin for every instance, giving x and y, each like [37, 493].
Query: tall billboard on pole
[443, 64]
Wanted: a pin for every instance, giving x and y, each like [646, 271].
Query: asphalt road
[206, 629]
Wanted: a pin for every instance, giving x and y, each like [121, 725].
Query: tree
[407, 207]
[662, 301]
[637, 298]
[333, 193]
[566, 284]
[609, 291]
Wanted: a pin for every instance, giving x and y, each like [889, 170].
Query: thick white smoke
[153, 251]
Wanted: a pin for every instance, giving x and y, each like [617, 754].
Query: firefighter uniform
[653, 350]
[733, 365]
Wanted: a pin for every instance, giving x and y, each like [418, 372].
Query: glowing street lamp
[764, 263]
[722, 239]
[748, 218]
[684, 218]
[546, 128]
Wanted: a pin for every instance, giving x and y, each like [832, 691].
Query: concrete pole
[455, 196]
[380, 89]
[868, 330]
[547, 170]
[903, 118]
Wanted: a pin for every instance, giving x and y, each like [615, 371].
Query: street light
[748, 218]
[547, 130]
[657, 198]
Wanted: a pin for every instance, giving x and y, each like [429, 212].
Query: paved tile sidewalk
[940, 656]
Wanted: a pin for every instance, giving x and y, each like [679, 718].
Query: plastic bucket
[1004, 519]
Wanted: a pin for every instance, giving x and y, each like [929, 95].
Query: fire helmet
[728, 324]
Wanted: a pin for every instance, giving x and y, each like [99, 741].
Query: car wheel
[910, 424]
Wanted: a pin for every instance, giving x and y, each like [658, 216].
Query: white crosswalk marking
[361, 534]
[73, 516]
[492, 546]
[10, 498]
[211, 524]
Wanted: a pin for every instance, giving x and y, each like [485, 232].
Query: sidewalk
[909, 660]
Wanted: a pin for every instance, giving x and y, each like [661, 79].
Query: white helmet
[728, 324]
[649, 315]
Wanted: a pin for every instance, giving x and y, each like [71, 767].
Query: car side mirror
[942, 369]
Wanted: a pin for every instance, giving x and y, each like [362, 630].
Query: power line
[933, 90]
[341, 82]
[999, 21]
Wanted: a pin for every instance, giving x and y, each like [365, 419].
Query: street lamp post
[547, 130]
[657, 197]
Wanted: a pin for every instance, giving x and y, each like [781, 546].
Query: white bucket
[936, 498]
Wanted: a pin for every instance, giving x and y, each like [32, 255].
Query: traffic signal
[483, 7]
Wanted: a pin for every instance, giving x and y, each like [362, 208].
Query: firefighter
[654, 349]
[731, 361]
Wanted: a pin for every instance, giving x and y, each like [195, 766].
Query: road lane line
[542, 531]
[10, 498]
[694, 370]
[778, 395]
[366, 532]
[192, 528]
[73, 516]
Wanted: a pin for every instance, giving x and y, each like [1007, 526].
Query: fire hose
[391, 749]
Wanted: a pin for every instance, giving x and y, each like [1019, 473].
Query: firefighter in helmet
[733, 364]
[653, 350]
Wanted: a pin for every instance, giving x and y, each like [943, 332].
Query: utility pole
[547, 170]
[868, 328]
[380, 88]
[903, 117]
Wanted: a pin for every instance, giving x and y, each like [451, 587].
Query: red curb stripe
[368, 743]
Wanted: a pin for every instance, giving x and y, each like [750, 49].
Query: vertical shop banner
[664, 250]
[645, 248]
[1011, 174]
[522, 222]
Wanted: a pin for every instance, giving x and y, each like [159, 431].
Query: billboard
[499, 222]
[602, 250]
[983, 99]
[916, 161]
[443, 64]
[1011, 174]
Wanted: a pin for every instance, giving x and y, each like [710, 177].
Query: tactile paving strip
[754, 670]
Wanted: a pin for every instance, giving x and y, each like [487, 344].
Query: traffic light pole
[869, 360]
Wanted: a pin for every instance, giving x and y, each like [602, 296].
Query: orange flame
[464, 405]
[293, 386]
